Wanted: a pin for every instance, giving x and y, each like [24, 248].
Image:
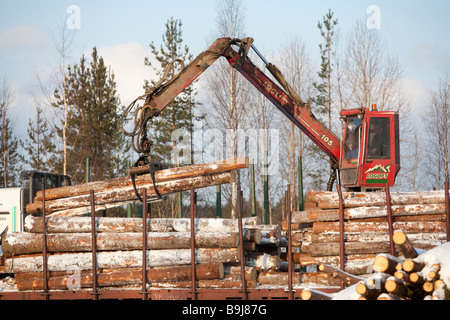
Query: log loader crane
[367, 158]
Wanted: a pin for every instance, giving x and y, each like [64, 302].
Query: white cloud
[127, 63]
[22, 35]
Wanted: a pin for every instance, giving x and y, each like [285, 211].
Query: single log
[366, 291]
[158, 274]
[433, 274]
[121, 259]
[118, 277]
[411, 265]
[214, 284]
[417, 277]
[386, 263]
[360, 226]
[128, 194]
[303, 259]
[364, 212]
[312, 294]
[278, 278]
[334, 272]
[141, 180]
[388, 296]
[235, 271]
[397, 287]
[25, 242]
[333, 248]
[404, 245]
[263, 261]
[116, 224]
[329, 200]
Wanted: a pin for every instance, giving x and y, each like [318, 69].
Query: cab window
[378, 146]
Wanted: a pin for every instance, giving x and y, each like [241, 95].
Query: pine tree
[94, 111]
[39, 145]
[323, 99]
[178, 114]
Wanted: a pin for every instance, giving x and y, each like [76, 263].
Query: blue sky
[417, 31]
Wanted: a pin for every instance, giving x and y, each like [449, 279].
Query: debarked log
[328, 200]
[214, 284]
[364, 212]
[120, 259]
[278, 278]
[121, 195]
[26, 243]
[116, 224]
[357, 226]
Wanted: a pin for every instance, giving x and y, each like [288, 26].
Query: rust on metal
[44, 246]
[145, 206]
[193, 209]
[95, 292]
[241, 245]
[390, 221]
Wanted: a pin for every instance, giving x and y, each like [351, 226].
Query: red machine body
[367, 158]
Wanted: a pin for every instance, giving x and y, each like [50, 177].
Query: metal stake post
[44, 241]
[94, 248]
[390, 222]
[144, 245]
[240, 201]
[193, 213]
[447, 211]
[289, 249]
[341, 231]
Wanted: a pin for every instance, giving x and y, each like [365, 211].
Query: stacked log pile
[414, 275]
[316, 230]
[119, 252]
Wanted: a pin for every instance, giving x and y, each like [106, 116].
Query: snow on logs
[316, 230]
[75, 200]
[119, 252]
[423, 275]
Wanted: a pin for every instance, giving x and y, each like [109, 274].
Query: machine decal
[378, 174]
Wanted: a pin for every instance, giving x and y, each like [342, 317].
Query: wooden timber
[78, 205]
[142, 180]
[121, 259]
[26, 243]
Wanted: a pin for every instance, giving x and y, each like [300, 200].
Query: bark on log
[333, 248]
[278, 278]
[312, 294]
[263, 261]
[404, 245]
[364, 212]
[334, 272]
[386, 263]
[115, 224]
[214, 284]
[358, 226]
[121, 259]
[328, 200]
[235, 271]
[117, 277]
[26, 243]
[122, 195]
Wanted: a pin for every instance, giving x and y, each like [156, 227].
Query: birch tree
[226, 90]
[438, 130]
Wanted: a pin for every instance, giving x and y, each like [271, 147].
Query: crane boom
[287, 101]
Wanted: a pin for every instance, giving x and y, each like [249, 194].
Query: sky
[416, 31]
